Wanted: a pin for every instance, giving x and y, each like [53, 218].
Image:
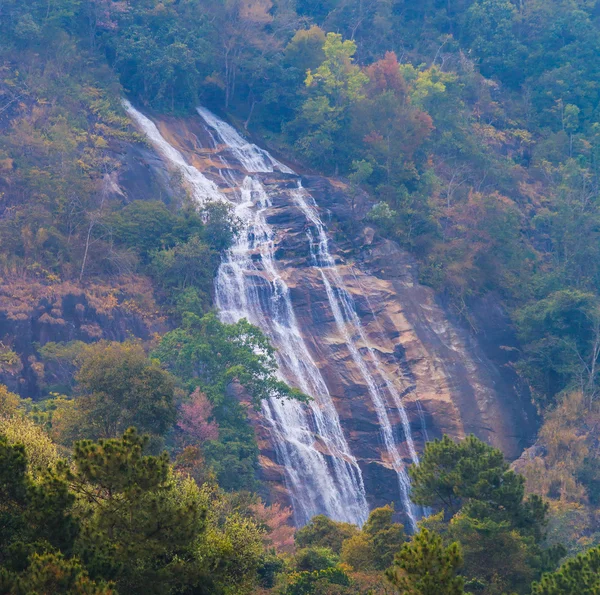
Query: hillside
[409, 252]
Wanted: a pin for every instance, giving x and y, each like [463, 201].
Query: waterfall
[262, 296]
[203, 189]
[350, 328]
[250, 287]
[253, 158]
[321, 473]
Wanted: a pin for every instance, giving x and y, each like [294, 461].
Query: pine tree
[425, 567]
[578, 576]
[140, 524]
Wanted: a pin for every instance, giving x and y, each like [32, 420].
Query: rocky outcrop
[34, 312]
[37, 307]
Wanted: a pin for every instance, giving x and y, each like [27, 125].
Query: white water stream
[322, 474]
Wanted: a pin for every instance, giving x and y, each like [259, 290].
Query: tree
[473, 475]
[213, 355]
[315, 558]
[231, 549]
[387, 537]
[561, 336]
[305, 49]
[52, 573]
[221, 226]
[188, 265]
[41, 452]
[333, 87]
[337, 77]
[217, 357]
[489, 29]
[196, 419]
[119, 387]
[321, 531]
[425, 567]
[9, 402]
[139, 522]
[35, 515]
[148, 226]
[578, 576]
[358, 552]
[496, 555]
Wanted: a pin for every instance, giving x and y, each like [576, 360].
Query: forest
[130, 466]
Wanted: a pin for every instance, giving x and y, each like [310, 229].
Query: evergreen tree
[34, 515]
[425, 567]
[472, 475]
[139, 522]
[578, 576]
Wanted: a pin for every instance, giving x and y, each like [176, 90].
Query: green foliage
[305, 49]
[322, 532]
[474, 475]
[315, 558]
[578, 575]
[52, 573]
[232, 547]
[34, 514]
[386, 536]
[559, 333]
[337, 78]
[495, 556]
[317, 582]
[148, 226]
[213, 355]
[358, 553]
[499, 530]
[140, 523]
[221, 226]
[425, 567]
[186, 269]
[119, 387]
[162, 51]
[115, 519]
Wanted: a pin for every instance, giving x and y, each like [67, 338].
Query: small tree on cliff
[119, 387]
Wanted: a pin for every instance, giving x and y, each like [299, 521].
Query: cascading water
[253, 158]
[245, 291]
[350, 328]
[322, 474]
[318, 483]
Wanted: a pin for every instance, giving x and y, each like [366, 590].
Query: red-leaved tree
[196, 419]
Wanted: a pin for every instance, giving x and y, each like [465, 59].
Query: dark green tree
[425, 567]
[34, 515]
[52, 573]
[474, 476]
[214, 355]
[139, 523]
[387, 537]
[578, 576]
[323, 532]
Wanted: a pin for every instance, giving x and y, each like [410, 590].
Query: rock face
[36, 309]
[450, 380]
